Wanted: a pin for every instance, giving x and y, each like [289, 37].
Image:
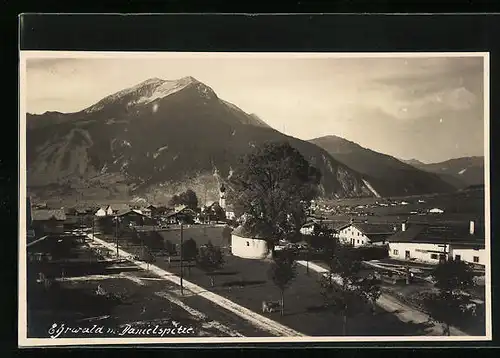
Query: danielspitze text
[177, 329]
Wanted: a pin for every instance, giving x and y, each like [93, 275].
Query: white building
[101, 212]
[436, 211]
[112, 209]
[430, 244]
[249, 245]
[307, 229]
[361, 234]
[230, 215]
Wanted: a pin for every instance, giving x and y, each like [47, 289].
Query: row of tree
[347, 291]
[343, 287]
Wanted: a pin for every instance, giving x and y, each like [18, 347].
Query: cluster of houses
[411, 242]
[429, 243]
[43, 220]
[364, 209]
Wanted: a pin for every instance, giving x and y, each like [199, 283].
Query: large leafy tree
[344, 289]
[451, 304]
[187, 198]
[273, 186]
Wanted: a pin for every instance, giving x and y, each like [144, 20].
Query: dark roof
[371, 229]
[339, 225]
[128, 212]
[119, 207]
[438, 234]
[45, 214]
[183, 211]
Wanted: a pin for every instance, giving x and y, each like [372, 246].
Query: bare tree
[344, 289]
[282, 272]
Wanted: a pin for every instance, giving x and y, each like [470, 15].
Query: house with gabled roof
[181, 214]
[364, 233]
[112, 209]
[434, 243]
[47, 221]
[311, 223]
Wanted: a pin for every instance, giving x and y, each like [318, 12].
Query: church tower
[222, 196]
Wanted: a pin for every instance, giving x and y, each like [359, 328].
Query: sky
[425, 108]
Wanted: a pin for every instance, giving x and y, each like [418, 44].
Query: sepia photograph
[253, 197]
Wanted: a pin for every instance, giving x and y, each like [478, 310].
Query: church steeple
[222, 196]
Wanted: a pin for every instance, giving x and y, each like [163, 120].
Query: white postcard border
[25, 342]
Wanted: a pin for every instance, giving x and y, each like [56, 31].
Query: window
[248, 244]
[434, 256]
[457, 257]
[476, 259]
[395, 252]
[358, 233]
[358, 241]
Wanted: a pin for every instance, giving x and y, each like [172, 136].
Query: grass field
[134, 298]
[246, 282]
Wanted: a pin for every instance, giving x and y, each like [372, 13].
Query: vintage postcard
[253, 197]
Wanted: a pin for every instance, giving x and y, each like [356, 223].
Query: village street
[192, 290]
[242, 285]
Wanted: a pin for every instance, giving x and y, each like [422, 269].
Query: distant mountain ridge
[154, 139]
[390, 176]
[413, 162]
[461, 172]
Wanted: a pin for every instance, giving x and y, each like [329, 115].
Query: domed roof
[251, 233]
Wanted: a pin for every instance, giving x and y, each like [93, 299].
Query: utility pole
[116, 236]
[90, 249]
[182, 266]
[307, 261]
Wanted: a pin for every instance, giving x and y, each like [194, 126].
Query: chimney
[403, 226]
[471, 227]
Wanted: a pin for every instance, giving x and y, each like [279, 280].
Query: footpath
[257, 320]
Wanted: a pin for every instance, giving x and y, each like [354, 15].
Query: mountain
[461, 172]
[155, 139]
[388, 175]
[412, 162]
